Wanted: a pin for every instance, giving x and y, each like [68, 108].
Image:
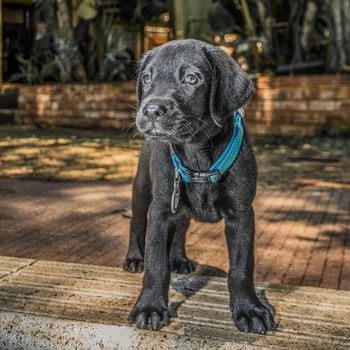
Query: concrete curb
[48, 305]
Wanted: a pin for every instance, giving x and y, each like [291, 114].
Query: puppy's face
[177, 92]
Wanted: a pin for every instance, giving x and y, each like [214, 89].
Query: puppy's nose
[154, 110]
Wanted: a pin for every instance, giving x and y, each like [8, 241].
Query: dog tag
[176, 192]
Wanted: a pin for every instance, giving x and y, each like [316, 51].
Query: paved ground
[49, 305]
[302, 206]
[302, 235]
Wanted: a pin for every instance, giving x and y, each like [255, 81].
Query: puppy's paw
[250, 315]
[133, 265]
[182, 265]
[152, 317]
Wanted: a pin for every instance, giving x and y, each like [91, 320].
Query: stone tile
[65, 306]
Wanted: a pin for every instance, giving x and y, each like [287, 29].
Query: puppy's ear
[230, 86]
[141, 66]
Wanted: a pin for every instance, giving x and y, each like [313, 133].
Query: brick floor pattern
[302, 236]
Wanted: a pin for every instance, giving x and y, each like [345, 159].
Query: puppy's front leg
[151, 308]
[249, 314]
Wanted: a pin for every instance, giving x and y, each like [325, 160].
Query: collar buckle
[213, 176]
[205, 176]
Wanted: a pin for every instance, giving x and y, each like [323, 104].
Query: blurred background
[99, 40]
[92, 45]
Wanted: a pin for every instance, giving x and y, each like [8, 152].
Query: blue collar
[219, 168]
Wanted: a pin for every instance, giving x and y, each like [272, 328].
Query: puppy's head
[186, 90]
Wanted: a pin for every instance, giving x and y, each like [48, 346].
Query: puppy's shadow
[190, 284]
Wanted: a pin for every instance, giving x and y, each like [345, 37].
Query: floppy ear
[141, 66]
[230, 86]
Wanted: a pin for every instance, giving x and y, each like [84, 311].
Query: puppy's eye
[190, 79]
[146, 79]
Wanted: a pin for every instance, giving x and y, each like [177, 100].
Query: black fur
[197, 119]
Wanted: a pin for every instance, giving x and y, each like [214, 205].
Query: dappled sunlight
[75, 155]
[49, 156]
[302, 162]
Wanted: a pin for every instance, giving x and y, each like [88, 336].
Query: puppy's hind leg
[178, 259]
[141, 199]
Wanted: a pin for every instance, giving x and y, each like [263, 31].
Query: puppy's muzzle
[152, 120]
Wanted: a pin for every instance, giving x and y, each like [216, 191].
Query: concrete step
[55, 305]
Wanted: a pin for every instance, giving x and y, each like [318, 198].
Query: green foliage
[28, 71]
[32, 71]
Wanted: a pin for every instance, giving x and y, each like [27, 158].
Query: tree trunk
[78, 71]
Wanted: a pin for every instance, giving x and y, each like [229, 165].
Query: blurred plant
[33, 70]
[56, 55]
[284, 36]
[96, 49]
[29, 71]
[117, 66]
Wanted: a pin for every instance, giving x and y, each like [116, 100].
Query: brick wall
[300, 105]
[282, 105]
[77, 105]
[8, 104]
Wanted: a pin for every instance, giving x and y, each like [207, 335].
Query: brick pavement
[302, 235]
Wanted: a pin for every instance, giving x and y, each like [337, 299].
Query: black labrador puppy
[188, 92]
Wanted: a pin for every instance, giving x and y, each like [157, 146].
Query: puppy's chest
[202, 201]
